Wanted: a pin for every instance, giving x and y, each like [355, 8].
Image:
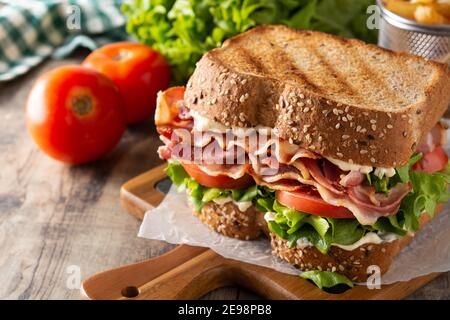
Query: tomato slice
[309, 201]
[433, 161]
[220, 181]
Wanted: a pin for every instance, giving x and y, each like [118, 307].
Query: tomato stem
[82, 105]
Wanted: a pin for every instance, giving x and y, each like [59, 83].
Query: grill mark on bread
[345, 86]
[251, 60]
[280, 56]
[389, 140]
[366, 70]
[352, 264]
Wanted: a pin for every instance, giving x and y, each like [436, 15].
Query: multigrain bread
[318, 90]
[353, 264]
[229, 221]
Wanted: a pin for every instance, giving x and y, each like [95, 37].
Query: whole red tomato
[138, 71]
[75, 114]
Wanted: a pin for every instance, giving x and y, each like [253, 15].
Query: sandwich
[330, 147]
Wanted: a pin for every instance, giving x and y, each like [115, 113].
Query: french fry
[443, 9]
[428, 14]
[402, 8]
[422, 11]
[422, 1]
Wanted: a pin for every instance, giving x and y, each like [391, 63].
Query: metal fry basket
[425, 40]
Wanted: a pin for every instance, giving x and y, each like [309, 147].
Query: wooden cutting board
[189, 272]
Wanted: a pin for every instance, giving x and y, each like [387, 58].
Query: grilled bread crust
[229, 221]
[340, 98]
[353, 264]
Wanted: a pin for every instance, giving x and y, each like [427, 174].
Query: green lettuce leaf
[176, 173]
[322, 244]
[292, 225]
[346, 231]
[182, 30]
[389, 225]
[319, 224]
[287, 215]
[211, 194]
[404, 171]
[428, 190]
[381, 185]
[326, 279]
[264, 204]
[277, 229]
[200, 195]
[248, 194]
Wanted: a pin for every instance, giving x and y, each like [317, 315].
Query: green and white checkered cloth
[32, 30]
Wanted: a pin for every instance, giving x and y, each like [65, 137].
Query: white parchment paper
[172, 221]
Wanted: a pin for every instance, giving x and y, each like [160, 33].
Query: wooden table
[60, 224]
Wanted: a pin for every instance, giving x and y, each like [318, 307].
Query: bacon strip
[364, 197]
[326, 178]
[351, 179]
[277, 164]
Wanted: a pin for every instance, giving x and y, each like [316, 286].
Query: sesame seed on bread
[340, 98]
[351, 263]
[229, 221]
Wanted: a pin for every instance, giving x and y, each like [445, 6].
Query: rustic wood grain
[54, 216]
[197, 271]
[206, 270]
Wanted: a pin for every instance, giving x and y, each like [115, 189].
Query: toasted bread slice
[340, 98]
[229, 221]
[352, 263]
